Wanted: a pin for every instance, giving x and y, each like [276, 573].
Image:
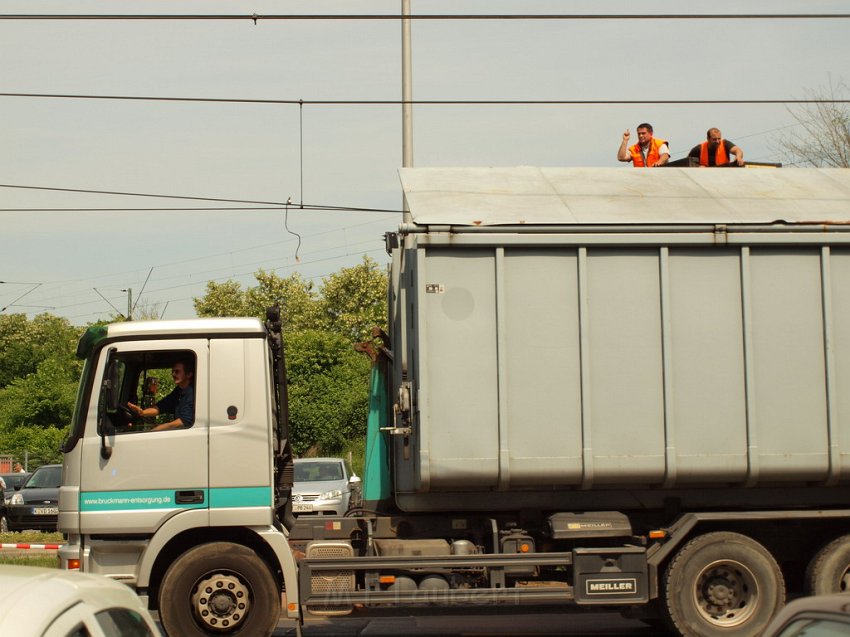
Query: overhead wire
[294, 17]
[430, 102]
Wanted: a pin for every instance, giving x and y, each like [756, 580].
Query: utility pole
[406, 96]
[129, 292]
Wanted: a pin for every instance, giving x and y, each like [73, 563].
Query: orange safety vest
[652, 154]
[721, 158]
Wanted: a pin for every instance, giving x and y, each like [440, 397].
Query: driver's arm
[143, 413]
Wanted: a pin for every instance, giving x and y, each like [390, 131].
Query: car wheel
[829, 570]
[219, 588]
[4, 524]
[721, 583]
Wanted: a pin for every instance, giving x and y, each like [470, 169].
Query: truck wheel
[723, 584]
[829, 570]
[219, 588]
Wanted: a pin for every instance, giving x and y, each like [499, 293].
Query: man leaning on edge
[716, 151]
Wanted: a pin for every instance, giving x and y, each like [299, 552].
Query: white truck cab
[154, 508]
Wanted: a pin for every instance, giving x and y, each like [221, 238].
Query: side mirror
[111, 386]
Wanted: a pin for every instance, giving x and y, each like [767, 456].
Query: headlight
[331, 495]
[17, 498]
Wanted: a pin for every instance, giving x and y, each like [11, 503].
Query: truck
[599, 389]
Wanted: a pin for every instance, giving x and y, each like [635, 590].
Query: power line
[294, 17]
[277, 205]
[421, 102]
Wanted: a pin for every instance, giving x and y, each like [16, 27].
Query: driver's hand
[134, 408]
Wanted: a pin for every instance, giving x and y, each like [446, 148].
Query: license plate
[300, 507]
[45, 510]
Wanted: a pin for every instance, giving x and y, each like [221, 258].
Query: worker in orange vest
[716, 151]
[649, 152]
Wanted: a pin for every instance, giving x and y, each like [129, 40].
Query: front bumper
[41, 517]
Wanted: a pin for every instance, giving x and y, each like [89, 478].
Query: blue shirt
[181, 403]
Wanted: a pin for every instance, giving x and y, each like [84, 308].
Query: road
[500, 625]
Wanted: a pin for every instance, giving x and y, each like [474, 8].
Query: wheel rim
[726, 593]
[221, 601]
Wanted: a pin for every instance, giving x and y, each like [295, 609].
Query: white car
[815, 616]
[45, 602]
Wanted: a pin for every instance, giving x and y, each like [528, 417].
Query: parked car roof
[42, 602]
[815, 615]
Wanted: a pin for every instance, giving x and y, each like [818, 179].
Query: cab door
[132, 479]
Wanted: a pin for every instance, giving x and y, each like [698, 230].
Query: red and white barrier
[54, 547]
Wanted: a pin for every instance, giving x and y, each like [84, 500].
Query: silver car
[323, 486]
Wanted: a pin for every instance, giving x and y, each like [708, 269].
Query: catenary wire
[255, 17]
[430, 102]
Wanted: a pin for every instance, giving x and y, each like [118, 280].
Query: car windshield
[317, 471]
[45, 477]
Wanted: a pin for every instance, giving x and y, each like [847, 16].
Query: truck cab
[135, 497]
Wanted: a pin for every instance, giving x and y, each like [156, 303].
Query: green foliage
[39, 444]
[354, 300]
[293, 293]
[38, 383]
[44, 398]
[25, 344]
[328, 391]
[222, 299]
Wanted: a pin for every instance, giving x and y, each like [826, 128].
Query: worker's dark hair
[644, 125]
[708, 132]
[188, 363]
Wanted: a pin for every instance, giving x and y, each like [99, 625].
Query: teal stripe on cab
[133, 500]
[240, 497]
[224, 498]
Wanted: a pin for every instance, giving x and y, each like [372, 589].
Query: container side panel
[840, 271]
[543, 371]
[459, 408]
[707, 359]
[626, 383]
[790, 387]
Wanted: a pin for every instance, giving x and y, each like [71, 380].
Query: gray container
[677, 338]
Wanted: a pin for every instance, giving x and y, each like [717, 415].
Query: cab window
[147, 391]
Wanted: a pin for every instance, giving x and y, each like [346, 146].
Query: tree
[44, 398]
[823, 137]
[294, 294]
[24, 344]
[39, 445]
[354, 300]
[328, 391]
[38, 383]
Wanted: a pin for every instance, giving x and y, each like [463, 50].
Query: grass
[34, 557]
[47, 561]
[32, 537]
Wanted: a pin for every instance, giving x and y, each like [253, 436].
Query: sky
[79, 258]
